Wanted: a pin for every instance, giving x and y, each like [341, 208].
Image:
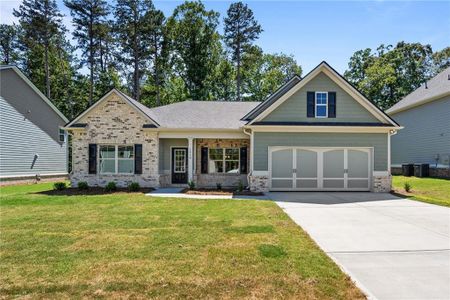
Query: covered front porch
[203, 159]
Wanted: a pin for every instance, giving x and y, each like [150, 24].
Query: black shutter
[331, 104]
[310, 104]
[138, 159]
[204, 160]
[92, 158]
[243, 162]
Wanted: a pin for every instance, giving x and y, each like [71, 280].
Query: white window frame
[116, 159]
[316, 105]
[225, 160]
[175, 160]
[61, 133]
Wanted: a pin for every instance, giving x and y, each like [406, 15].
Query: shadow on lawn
[92, 191]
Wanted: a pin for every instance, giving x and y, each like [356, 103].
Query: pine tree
[241, 29]
[88, 16]
[41, 23]
[133, 27]
[193, 35]
[9, 40]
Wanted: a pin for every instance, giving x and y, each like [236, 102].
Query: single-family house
[314, 133]
[32, 140]
[425, 114]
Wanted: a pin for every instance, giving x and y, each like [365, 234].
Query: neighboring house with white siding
[32, 141]
[425, 114]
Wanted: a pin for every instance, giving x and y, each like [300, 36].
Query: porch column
[190, 159]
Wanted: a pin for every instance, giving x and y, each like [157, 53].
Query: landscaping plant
[83, 185]
[59, 186]
[219, 186]
[134, 187]
[407, 186]
[240, 186]
[111, 186]
[191, 185]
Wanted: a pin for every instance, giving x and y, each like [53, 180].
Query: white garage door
[293, 168]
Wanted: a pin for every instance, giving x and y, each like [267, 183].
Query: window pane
[321, 110]
[216, 154]
[215, 166]
[107, 166]
[126, 151]
[126, 165]
[232, 166]
[107, 151]
[231, 154]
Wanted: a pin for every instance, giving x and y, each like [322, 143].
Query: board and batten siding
[264, 140]
[347, 108]
[21, 139]
[426, 134]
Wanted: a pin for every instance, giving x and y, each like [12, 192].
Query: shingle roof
[202, 114]
[435, 87]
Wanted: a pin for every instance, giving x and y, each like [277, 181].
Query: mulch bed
[222, 192]
[91, 191]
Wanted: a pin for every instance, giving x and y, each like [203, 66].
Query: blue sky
[331, 31]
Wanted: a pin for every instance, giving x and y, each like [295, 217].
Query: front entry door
[179, 165]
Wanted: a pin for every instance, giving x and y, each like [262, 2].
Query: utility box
[408, 170]
[421, 170]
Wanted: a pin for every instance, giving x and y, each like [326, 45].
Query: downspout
[391, 133]
[249, 173]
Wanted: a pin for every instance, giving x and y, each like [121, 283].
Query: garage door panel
[307, 183]
[282, 183]
[358, 183]
[333, 183]
[358, 164]
[333, 164]
[282, 163]
[306, 163]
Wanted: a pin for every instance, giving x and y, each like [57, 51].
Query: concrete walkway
[392, 248]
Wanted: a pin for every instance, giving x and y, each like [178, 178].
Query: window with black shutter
[331, 104]
[92, 158]
[204, 160]
[243, 160]
[138, 159]
[310, 104]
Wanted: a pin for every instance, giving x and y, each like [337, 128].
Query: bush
[407, 186]
[219, 186]
[240, 186]
[111, 186]
[59, 186]
[191, 185]
[83, 185]
[134, 187]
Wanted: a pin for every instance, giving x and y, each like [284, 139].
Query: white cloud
[6, 11]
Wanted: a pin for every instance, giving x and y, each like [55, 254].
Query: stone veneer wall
[227, 180]
[114, 122]
[259, 183]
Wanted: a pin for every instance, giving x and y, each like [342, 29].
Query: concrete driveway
[392, 248]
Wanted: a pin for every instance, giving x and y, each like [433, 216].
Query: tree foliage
[241, 29]
[9, 43]
[390, 73]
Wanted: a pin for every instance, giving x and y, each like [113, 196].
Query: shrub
[83, 185]
[407, 186]
[219, 186]
[59, 186]
[191, 185]
[240, 186]
[134, 187]
[111, 186]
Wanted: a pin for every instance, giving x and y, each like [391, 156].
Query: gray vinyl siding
[262, 141]
[21, 139]
[347, 108]
[165, 152]
[426, 134]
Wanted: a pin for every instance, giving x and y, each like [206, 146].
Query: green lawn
[128, 245]
[431, 190]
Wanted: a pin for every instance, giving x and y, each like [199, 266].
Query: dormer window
[321, 105]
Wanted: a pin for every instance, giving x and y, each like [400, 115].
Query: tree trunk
[158, 97]
[238, 75]
[47, 71]
[136, 79]
[91, 60]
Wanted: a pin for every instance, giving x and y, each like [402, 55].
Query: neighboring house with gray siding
[316, 133]
[425, 114]
[32, 141]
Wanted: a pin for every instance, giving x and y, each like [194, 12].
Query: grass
[128, 245]
[430, 190]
